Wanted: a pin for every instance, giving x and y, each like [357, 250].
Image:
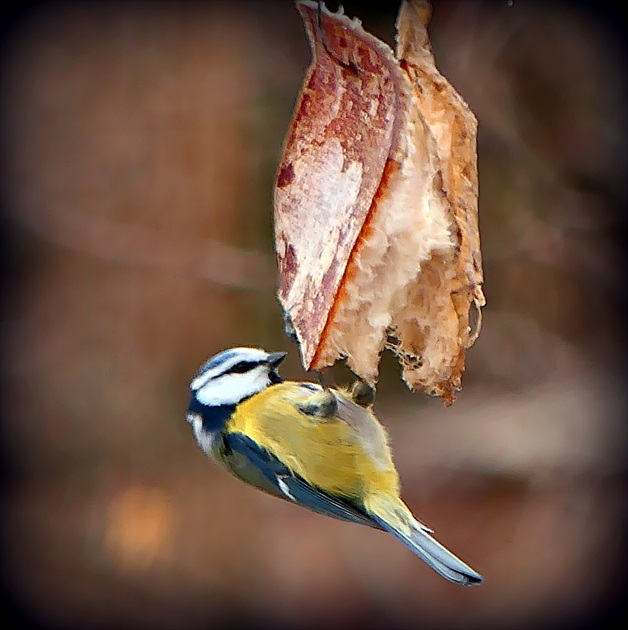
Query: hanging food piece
[376, 225]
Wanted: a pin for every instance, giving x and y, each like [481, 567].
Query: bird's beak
[275, 358]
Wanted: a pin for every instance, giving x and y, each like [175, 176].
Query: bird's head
[235, 374]
[224, 381]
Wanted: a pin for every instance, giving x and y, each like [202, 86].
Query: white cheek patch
[230, 389]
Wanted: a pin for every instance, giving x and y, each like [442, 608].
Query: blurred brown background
[139, 144]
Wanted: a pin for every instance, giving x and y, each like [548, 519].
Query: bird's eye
[240, 368]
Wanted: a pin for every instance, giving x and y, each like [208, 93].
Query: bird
[319, 447]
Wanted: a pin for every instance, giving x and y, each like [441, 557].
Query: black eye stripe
[242, 367]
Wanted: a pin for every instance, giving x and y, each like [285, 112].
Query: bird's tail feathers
[417, 537]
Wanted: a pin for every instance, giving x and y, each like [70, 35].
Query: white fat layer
[253, 355]
[230, 389]
[204, 439]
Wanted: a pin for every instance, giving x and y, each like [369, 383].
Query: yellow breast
[344, 456]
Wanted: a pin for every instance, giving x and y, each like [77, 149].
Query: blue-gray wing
[367, 429]
[280, 481]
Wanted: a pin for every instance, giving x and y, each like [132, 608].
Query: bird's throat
[214, 418]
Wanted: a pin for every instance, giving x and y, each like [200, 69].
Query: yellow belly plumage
[346, 454]
[343, 453]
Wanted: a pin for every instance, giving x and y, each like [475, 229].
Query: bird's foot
[362, 393]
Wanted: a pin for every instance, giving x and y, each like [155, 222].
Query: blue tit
[309, 445]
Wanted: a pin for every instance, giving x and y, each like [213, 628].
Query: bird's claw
[362, 393]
